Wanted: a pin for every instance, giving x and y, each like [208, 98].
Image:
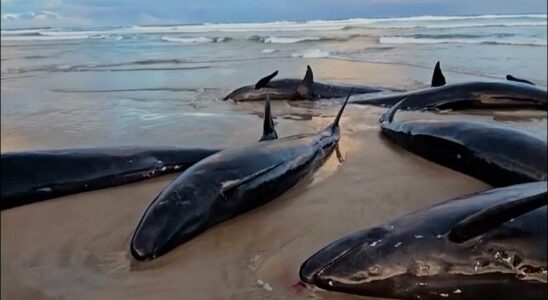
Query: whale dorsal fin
[437, 77]
[339, 114]
[512, 78]
[269, 132]
[492, 217]
[388, 116]
[304, 90]
[265, 80]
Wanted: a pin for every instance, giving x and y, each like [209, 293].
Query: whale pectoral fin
[269, 130]
[304, 90]
[437, 78]
[492, 217]
[512, 78]
[265, 80]
[229, 187]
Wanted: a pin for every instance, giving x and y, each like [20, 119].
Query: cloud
[42, 18]
[48, 15]
[42, 15]
[9, 17]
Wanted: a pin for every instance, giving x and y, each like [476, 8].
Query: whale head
[171, 219]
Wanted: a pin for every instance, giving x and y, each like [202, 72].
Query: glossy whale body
[414, 256]
[228, 184]
[496, 154]
[468, 95]
[295, 89]
[285, 89]
[33, 176]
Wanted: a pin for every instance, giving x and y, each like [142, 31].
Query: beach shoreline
[152, 92]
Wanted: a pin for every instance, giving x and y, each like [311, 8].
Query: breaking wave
[308, 28]
[488, 41]
[312, 53]
[284, 40]
[195, 40]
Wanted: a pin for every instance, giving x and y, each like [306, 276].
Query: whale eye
[374, 270]
[359, 276]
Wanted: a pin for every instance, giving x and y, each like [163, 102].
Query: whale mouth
[154, 233]
[164, 228]
[144, 247]
[330, 254]
[314, 269]
[149, 244]
[142, 255]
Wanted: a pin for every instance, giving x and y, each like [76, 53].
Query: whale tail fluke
[263, 82]
[304, 90]
[269, 130]
[339, 114]
[512, 78]
[388, 116]
[437, 77]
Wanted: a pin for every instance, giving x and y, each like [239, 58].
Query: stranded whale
[489, 245]
[516, 93]
[496, 154]
[34, 176]
[295, 89]
[227, 184]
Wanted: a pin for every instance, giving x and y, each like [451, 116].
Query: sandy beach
[77, 247]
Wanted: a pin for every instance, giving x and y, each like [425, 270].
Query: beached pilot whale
[228, 184]
[33, 176]
[490, 245]
[496, 154]
[516, 93]
[295, 89]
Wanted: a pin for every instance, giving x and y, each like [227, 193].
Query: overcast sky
[35, 13]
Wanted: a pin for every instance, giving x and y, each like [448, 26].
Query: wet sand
[77, 247]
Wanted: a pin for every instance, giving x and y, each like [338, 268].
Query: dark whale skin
[468, 95]
[33, 176]
[496, 154]
[412, 257]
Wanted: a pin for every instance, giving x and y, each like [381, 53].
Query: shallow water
[108, 92]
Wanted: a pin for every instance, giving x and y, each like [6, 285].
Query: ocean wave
[413, 40]
[42, 38]
[313, 25]
[195, 40]
[284, 40]
[335, 25]
[307, 27]
[457, 25]
[21, 32]
[458, 36]
[76, 32]
[312, 53]
[453, 18]
[41, 35]
[241, 27]
[269, 51]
